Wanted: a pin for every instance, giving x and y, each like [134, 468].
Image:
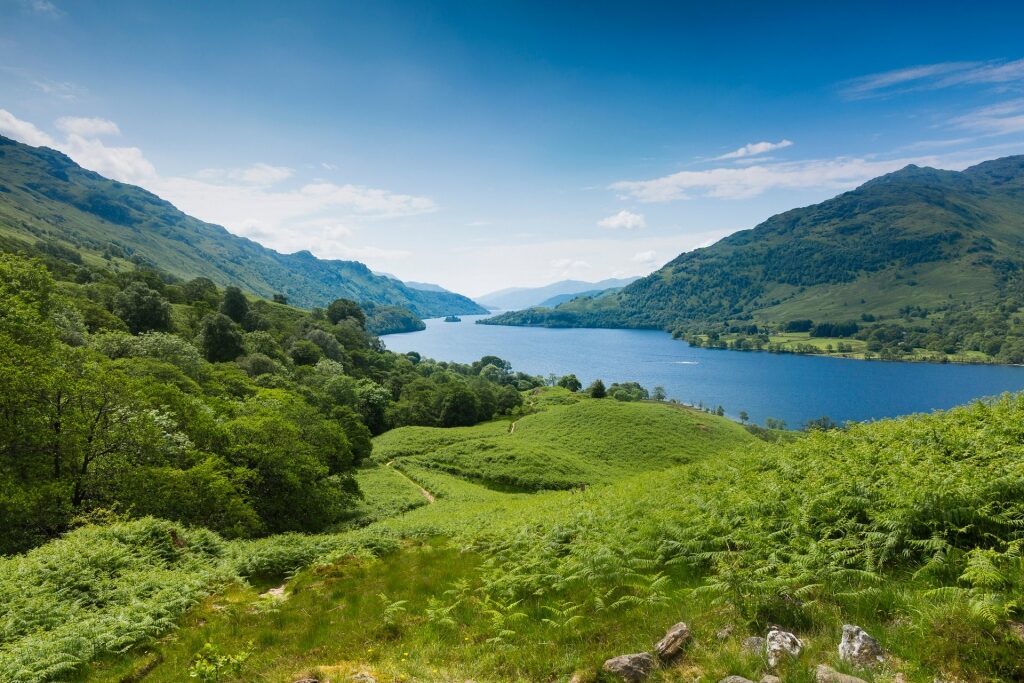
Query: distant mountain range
[47, 197]
[910, 243]
[515, 298]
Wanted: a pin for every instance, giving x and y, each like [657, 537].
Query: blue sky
[482, 145]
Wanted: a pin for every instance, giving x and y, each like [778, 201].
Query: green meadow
[910, 528]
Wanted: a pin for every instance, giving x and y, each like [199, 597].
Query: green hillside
[46, 197]
[566, 446]
[910, 528]
[921, 260]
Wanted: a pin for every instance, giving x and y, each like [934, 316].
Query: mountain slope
[516, 298]
[919, 238]
[46, 196]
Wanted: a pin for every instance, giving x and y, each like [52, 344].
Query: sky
[484, 145]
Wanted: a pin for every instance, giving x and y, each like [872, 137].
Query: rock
[632, 668]
[768, 678]
[724, 632]
[1017, 629]
[306, 680]
[275, 594]
[675, 640]
[363, 677]
[826, 674]
[735, 679]
[859, 648]
[781, 644]
[754, 645]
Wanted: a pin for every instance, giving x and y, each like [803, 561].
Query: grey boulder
[826, 674]
[674, 642]
[780, 645]
[859, 648]
[632, 668]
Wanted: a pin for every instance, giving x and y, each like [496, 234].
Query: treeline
[134, 393]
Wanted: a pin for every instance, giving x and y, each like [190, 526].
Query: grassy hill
[920, 259]
[566, 446]
[46, 197]
[910, 528]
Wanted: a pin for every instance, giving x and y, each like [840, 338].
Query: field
[910, 528]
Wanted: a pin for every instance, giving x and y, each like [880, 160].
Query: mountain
[45, 196]
[918, 244]
[515, 298]
[426, 286]
[562, 298]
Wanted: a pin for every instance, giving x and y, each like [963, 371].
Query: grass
[910, 528]
[566, 446]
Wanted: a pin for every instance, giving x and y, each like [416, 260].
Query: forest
[134, 393]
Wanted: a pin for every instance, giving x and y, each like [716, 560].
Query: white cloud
[23, 131]
[126, 164]
[756, 148]
[318, 216]
[87, 127]
[934, 76]
[257, 174]
[623, 220]
[998, 119]
[645, 257]
[739, 183]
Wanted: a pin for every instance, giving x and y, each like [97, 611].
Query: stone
[780, 645]
[275, 594]
[631, 668]
[363, 677]
[724, 632]
[735, 679]
[768, 678]
[753, 645]
[306, 680]
[674, 642]
[859, 648]
[826, 674]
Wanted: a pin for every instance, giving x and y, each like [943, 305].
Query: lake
[789, 387]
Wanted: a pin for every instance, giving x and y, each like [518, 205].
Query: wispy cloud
[43, 7]
[623, 220]
[256, 174]
[997, 119]
[934, 76]
[841, 173]
[754, 149]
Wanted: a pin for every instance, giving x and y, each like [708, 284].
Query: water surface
[789, 387]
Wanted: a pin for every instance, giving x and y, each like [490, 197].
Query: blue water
[788, 387]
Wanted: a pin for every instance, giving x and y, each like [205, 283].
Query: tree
[345, 308]
[305, 352]
[219, 339]
[597, 389]
[235, 305]
[744, 416]
[659, 393]
[459, 407]
[201, 290]
[280, 299]
[570, 382]
[142, 309]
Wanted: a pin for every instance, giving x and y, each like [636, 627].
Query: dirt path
[426, 494]
[512, 429]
